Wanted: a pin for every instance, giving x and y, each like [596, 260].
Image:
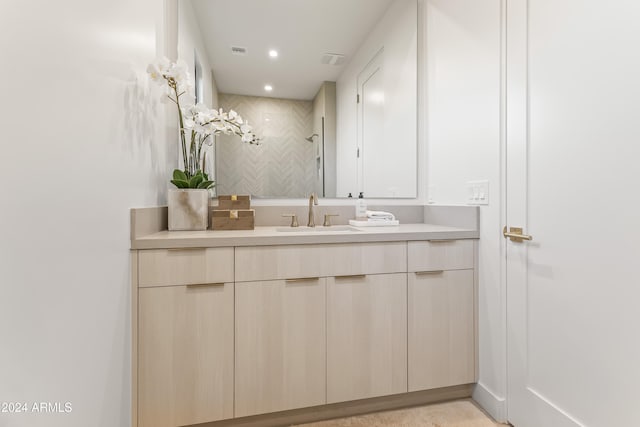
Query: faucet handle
[294, 219]
[327, 219]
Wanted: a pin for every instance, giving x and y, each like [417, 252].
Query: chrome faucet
[313, 200]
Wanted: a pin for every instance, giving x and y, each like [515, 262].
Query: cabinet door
[441, 329]
[366, 336]
[185, 352]
[280, 345]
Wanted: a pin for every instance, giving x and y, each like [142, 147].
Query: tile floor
[459, 413]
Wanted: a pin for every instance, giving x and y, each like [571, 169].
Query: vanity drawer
[278, 262]
[298, 261]
[435, 255]
[366, 258]
[189, 266]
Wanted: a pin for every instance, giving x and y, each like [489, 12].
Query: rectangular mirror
[329, 85]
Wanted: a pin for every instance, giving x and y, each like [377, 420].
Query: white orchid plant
[198, 123]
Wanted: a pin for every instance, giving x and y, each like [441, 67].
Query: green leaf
[206, 184]
[205, 176]
[180, 183]
[179, 175]
[195, 181]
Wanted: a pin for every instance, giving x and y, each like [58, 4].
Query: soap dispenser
[361, 208]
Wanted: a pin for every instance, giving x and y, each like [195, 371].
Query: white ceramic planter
[188, 209]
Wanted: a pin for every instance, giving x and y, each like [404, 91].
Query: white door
[372, 161]
[573, 183]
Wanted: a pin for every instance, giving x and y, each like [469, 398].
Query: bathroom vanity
[268, 322]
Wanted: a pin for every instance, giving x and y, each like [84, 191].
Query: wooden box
[233, 219]
[233, 202]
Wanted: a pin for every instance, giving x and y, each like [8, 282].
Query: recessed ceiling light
[268, 88]
[273, 53]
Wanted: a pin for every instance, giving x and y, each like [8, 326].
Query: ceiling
[302, 31]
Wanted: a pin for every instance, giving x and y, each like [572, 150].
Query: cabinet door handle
[440, 241]
[202, 285]
[424, 273]
[352, 276]
[302, 279]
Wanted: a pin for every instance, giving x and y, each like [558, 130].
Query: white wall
[324, 107]
[318, 112]
[189, 41]
[463, 140]
[330, 119]
[397, 33]
[83, 141]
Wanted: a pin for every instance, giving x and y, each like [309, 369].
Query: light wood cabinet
[185, 355]
[254, 263]
[365, 258]
[366, 336]
[441, 329]
[287, 261]
[435, 255]
[280, 345]
[189, 266]
[240, 331]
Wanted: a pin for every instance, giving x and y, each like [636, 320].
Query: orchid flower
[198, 123]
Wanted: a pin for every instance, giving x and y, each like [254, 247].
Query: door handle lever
[515, 234]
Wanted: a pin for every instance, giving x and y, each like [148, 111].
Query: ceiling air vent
[332, 59]
[237, 50]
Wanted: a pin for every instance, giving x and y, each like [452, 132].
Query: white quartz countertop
[269, 236]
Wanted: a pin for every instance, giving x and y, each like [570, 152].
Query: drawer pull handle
[302, 279]
[352, 276]
[185, 249]
[440, 241]
[424, 273]
[201, 285]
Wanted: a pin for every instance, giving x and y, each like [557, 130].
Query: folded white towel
[380, 215]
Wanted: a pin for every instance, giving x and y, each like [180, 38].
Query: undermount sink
[330, 229]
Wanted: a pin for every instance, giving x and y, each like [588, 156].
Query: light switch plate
[478, 192]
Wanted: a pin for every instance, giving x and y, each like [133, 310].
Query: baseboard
[347, 409]
[494, 405]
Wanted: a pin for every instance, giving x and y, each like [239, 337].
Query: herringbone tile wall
[283, 165]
